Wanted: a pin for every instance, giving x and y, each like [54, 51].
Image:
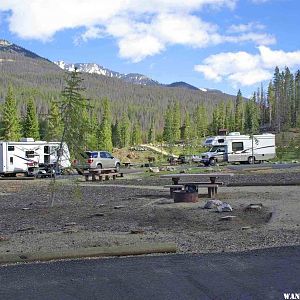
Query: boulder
[212, 204]
[154, 169]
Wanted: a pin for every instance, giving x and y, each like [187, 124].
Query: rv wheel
[251, 159]
[212, 162]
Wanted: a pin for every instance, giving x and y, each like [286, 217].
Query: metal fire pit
[185, 196]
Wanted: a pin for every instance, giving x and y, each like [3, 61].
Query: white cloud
[237, 28]
[257, 38]
[91, 33]
[245, 69]
[141, 28]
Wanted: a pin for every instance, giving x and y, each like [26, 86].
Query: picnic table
[101, 174]
[211, 185]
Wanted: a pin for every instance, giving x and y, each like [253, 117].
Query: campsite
[137, 209]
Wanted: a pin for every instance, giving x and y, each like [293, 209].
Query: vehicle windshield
[214, 149]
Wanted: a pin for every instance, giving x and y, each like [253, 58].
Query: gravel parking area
[136, 210]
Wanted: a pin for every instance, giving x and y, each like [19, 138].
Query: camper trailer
[28, 156]
[235, 147]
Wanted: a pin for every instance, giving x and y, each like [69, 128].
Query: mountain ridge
[135, 78]
[35, 77]
[12, 48]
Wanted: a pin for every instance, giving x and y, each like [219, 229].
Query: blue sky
[221, 44]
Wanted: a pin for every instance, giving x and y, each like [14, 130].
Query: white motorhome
[28, 155]
[235, 147]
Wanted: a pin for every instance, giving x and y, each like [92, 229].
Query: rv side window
[221, 141]
[11, 160]
[11, 148]
[237, 146]
[46, 149]
[29, 154]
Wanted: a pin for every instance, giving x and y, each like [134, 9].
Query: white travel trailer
[27, 156]
[235, 147]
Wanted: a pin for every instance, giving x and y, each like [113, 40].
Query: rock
[137, 231]
[154, 169]
[71, 230]
[169, 168]
[224, 207]
[26, 208]
[98, 215]
[212, 204]
[254, 206]
[119, 206]
[25, 228]
[227, 218]
[70, 224]
[246, 227]
[3, 238]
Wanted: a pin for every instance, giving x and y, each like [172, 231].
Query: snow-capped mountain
[97, 69]
[7, 47]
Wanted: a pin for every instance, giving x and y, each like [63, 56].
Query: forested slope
[43, 80]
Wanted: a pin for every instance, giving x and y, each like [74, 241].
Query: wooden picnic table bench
[212, 188]
[212, 185]
[100, 174]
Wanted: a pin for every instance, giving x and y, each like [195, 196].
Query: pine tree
[125, 131]
[201, 121]
[271, 105]
[277, 82]
[151, 133]
[168, 127]
[55, 126]
[186, 129]
[239, 112]
[72, 105]
[136, 134]
[252, 112]
[288, 98]
[214, 126]
[218, 120]
[92, 138]
[229, 116]
[176, 122]
[105, 134]
[10, 118]
[116, 135]
[31, 123]
[297, 99]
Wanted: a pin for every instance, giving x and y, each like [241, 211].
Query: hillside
[32, 75]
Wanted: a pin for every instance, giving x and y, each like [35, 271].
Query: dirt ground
[138, 209]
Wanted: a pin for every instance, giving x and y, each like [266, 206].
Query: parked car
[97, 160]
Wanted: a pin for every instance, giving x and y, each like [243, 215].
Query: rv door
[235, 151]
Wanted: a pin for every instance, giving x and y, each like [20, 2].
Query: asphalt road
[260, 274]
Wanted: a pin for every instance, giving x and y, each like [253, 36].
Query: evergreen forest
[109, 113]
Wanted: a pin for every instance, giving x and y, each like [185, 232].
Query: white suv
[98, 160]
